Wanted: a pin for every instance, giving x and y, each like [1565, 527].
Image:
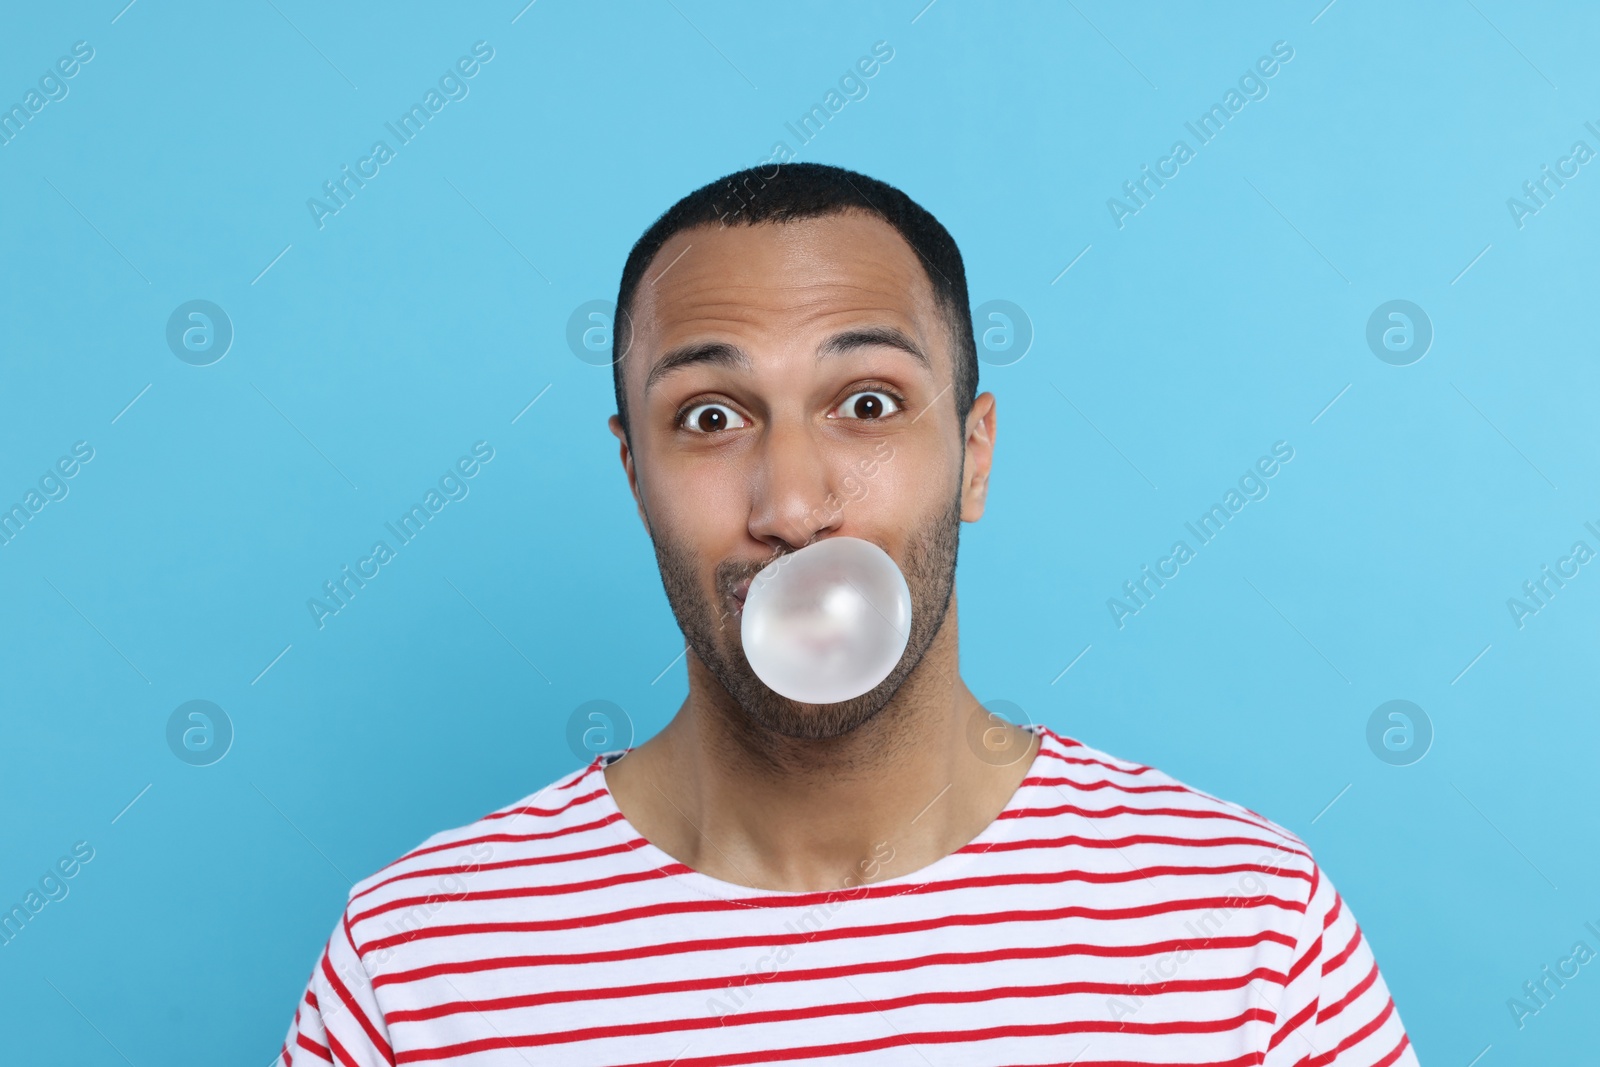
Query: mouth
[739, 593]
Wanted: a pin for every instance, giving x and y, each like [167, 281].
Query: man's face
[775, 398]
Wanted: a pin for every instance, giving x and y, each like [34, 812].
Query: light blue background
[430, 311]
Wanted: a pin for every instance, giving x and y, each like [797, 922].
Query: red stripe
[594, 765]
[1338, 961]
[1345, 1001]
[1123, 809]
[1255, 820]
[1062, 739]
[340, 1054]
[910, 1000]
[1293, 1024]
[814, 974]
[786, 901]
[847, 1048]
[294, 1026]
[1130, 768]
[1089, 787]
[511, 813]
[1405, 1039]
[1358, 1036]
[343, 994]
[1305, 961]
[765, 940]
[1252, 1059]
[491, 815]
[468, 869]
[1135, 839]
[1333, 912]
[521, 891]
[801, 900]
[542, 835]
[312, 1047]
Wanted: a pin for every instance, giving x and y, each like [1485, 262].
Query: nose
[792, 501]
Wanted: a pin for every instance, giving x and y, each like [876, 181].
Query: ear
[979, 457]
[626, 454]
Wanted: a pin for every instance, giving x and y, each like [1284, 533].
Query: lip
[741, 591]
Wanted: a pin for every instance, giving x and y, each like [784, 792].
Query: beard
[713, 633]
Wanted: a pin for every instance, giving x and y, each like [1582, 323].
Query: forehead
[771, 281]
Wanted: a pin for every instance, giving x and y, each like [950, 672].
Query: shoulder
[560, 808]
[1086, 780]
[456, 866]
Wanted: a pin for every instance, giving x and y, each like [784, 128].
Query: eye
[710, 417]
[870, 404]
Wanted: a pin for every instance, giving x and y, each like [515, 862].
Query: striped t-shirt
[1109, 916]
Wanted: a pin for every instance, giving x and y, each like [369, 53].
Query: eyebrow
[720, 353]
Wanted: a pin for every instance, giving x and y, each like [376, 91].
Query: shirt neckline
[998, 829]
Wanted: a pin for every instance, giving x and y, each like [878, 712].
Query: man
[901, 878]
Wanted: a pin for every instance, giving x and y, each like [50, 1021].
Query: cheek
[700, 515]
[695, 498]
[909, 478]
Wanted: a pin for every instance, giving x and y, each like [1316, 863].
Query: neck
[906, 788]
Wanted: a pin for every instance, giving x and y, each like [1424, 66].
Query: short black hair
[785, 192]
